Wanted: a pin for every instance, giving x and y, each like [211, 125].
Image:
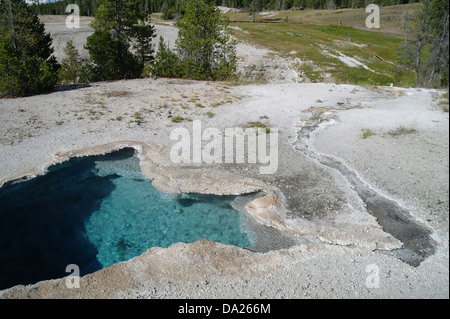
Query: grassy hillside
[391, 17]
[348, 53]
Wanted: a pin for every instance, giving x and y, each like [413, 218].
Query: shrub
[204, 44]
[27, 65]
[168, 14]
[167, 63]
[111, 58]
[118, 25]
[74, 69]
[203, 51]
[24, 75]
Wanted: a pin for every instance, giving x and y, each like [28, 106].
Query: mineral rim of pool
[99, 210]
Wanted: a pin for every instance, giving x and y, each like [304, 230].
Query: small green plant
[367, 133]
[401, 131]
[257, 124]
[177, 119]
[210, 114]
[117, 93]
[308, 70]
[216, 103]
[138, 118]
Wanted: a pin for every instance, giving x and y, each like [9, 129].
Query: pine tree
[427, 28]
[437, 63]
[27, 65]
[111, 57]
[142, 36]
[204, 44]
[254, 7]
[74, 69]
[167, 63]
[118, 24]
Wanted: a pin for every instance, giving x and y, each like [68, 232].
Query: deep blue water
[99, 210]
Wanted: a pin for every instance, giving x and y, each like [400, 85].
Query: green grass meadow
[310, 40]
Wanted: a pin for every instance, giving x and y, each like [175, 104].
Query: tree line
[426, 46]
[27, 63]
[120, 48]
[88, 7]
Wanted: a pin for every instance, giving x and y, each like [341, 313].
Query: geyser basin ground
[99, 210]
[331, 265]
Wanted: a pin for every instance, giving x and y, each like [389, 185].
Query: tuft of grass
[216, 103]
[117, 93]
[307, 69]
[210, 114]
[257, 124]
[138, 116]
[367, 133]
[401, 131]
[177, 119]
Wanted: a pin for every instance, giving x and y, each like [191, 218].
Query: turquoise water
[100, 210]
[136, 216]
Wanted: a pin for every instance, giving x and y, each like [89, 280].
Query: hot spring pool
[99, 210]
